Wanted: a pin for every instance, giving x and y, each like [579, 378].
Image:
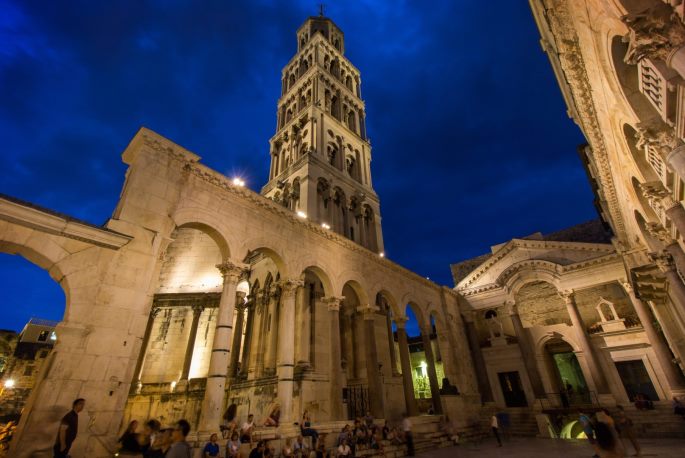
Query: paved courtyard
[534, 448]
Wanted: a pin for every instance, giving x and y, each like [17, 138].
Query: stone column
[405, 362]
[527, 351]
[432, 374]
[237, 338]
[477, 355]
[585, 343]
[336, 376]
[286, 349]
[302, 299]
[391, 345]
[270, 319]
[373, 375]
[143, 347]
[261, 323]
[656, 33]
[661, 351]
[676, 159]
[249, 330]
[190, 346]
[212, 403]
[676, 289]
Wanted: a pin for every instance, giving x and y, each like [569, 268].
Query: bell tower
[320, 154]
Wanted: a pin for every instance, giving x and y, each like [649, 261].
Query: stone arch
[543, 340]
[204, 220]
[392, 302]
[356, 286]
[262, 247]
[521, 273]
[419, 313]
[323, 277]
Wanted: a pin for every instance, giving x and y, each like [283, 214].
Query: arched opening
[335, 107]
[348, 82]
[566, 374]
[352, 121]
[291, 81]
[33, 305]
[354, 358]
[323, 196]
[417, 357]
[311, 314]
[628, 80]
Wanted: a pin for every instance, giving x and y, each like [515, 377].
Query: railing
[357, 397]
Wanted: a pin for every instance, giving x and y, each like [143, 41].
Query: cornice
[34, 217]
[573, 65]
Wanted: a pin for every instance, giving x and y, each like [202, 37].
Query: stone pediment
[518, 254]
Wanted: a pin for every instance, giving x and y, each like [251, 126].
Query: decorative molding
[655, 32]
[573, 65]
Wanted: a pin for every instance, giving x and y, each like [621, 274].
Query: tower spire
[320, 154]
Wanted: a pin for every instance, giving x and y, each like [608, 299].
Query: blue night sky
[471, 142]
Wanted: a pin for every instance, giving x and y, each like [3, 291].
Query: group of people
[605, 431]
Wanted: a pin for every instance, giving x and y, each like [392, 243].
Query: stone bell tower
[320, 154]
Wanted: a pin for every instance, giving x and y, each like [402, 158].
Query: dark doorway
[514, 396]
[636, 379]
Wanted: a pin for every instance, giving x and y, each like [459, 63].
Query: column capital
[663, 260]
[154, 312]
[568, 295]
[653, 33]
[511, 307]
[401, 322]
[289, 286]
[232, 271]
[240, 298]
[198, 309]
[659, 232]
[656, 137]
[368, 311]
[333, 302]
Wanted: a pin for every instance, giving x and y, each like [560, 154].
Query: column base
[606, 400]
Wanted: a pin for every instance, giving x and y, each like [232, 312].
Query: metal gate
[357, 398]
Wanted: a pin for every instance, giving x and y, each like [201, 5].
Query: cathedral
[200, 297]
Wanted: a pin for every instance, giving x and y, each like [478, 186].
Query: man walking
[68, 428]
[494, 424]
[179, 447]
[406, 427]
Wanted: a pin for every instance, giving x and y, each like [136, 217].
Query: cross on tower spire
[321, 6]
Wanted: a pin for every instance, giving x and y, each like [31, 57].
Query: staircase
[657, 423]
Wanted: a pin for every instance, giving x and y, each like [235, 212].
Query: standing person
[160, 444]
[589, 431]
[624, 426]
[68, 428]
[211, 449]
[146, 439]
[408, 437]
[179, 447]
[494, 424]
[607, 445]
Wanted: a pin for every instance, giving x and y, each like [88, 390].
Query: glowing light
[325, 226]
[301, 214]
[9, 383]
[238, 181]
[243, 287]
[381, 254]
[53, 336]
[173, 385]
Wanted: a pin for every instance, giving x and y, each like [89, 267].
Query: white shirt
[246, 426]
[406, 424]
[344, 449]
[493, 422]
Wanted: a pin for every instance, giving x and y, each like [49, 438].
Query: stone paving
[539, 448]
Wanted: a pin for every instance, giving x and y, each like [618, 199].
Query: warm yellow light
[381, 254]
[325, 226]
[238, 181]
[9, 383]
[301, 214]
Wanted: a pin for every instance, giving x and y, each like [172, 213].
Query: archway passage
[567, 375]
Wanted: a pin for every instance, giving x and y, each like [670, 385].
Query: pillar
[190, 346]
[478, 360]
[432, 374]
[212, 404]
[270, 329]
[373, 375]
[527, 351]
[391, 345]
[405, 362]
[302, 299]
[143, 347]
[585, 343]
[258, 337]
[676, 289]
[676, 159]
[661, 351]
[336, 376]
[237, 338]
[675, 212]
[245, 359]
[286, 349]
